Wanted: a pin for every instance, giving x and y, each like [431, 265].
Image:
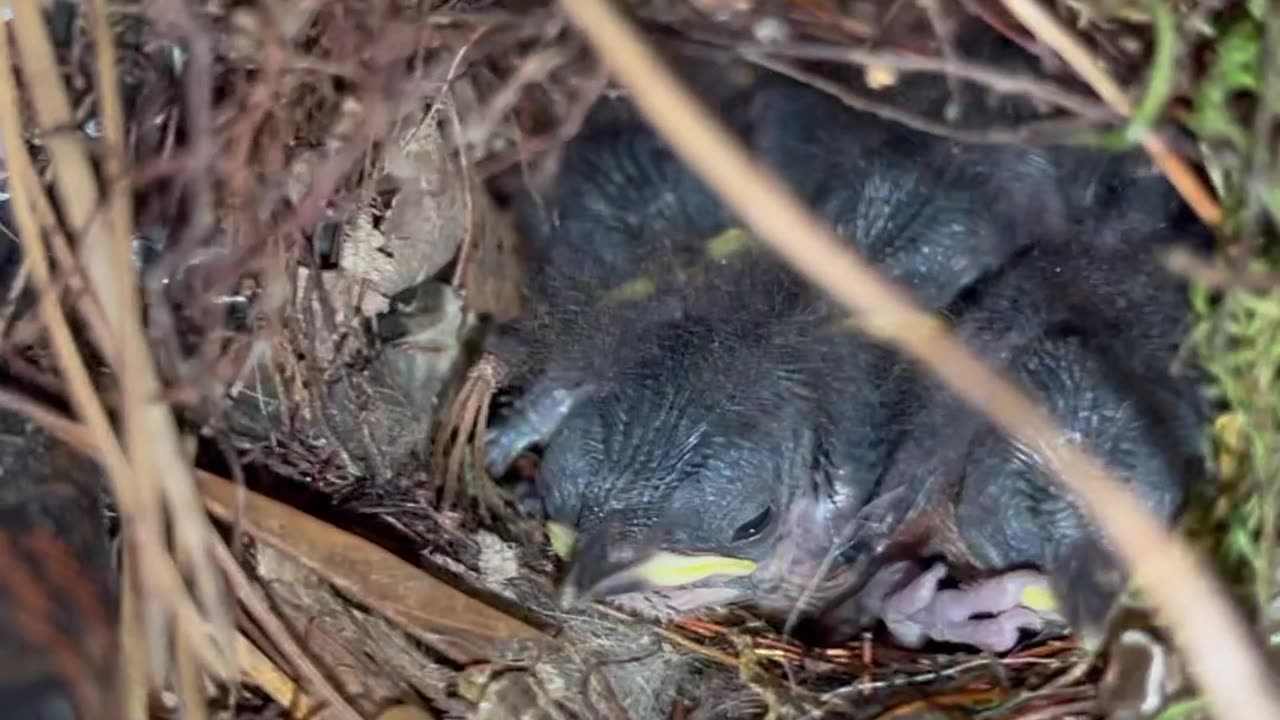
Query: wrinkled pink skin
[909, 603]
[902, 596]
[918, 611]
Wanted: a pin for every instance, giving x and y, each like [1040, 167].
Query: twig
[198, 103]
[1031, 133]
[1049, 693]
[995, 79]
[535, 68]
[1216, 643]
[464, 161]
[190, 680]
[132, 357]
[151, 433]
[708, 652]
[258, 669]
[60, 245]
[133, 642]
[1051, 31]
[258, 608]
[945, 32]
[954, 671]
[163, 579]
[1082, 707]
[468, 241]
[959, 698]
[527, 149]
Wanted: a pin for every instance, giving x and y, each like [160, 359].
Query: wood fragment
[455, 624]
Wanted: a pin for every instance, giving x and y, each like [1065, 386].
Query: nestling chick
[1092, 331]
[716, 432]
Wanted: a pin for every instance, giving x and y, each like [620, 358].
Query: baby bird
[1092, 332]
[715, 431]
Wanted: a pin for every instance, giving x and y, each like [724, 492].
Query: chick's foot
[988, 614]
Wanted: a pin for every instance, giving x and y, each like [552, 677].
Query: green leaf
[1236, 68]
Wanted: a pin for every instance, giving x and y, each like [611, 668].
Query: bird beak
[600, 569]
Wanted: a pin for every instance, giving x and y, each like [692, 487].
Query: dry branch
[157, 470]
[144, 529]
[998, 79]
[1052, 32]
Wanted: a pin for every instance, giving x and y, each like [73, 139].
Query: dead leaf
[461, 627]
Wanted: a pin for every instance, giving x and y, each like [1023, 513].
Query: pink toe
[918, 595]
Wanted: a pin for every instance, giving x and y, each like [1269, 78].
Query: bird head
[714, 468]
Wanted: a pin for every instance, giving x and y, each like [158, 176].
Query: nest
[306, 199]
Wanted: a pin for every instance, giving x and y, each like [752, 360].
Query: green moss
[1235, 69]
[1238, 343]
[1237, 335]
